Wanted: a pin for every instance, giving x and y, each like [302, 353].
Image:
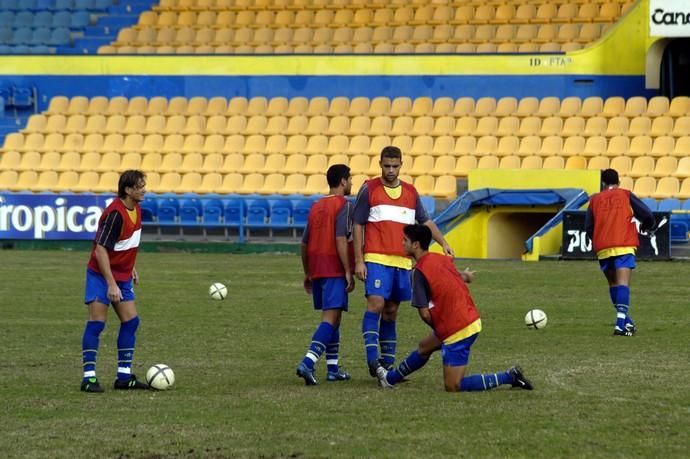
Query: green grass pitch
[237, 395]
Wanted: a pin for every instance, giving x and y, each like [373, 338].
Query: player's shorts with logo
[389, 282]
[97, 289]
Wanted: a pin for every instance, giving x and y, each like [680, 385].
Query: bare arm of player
[341, 247]
[114, 293]
[135, 276]
[305, 267]
[358, 242]
[467, 275]
[425, 315]
[438, 237]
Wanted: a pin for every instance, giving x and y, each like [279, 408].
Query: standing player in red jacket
[609, 223]
[109, 278]
[441, 296]
[327, 263]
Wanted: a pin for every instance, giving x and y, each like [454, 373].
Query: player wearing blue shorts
[443, 301]
[110, 276]
[327, 262]
[609, 223]
[384, 206]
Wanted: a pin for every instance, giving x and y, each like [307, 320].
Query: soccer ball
[536, 318]
[218, 291]
[160, 377]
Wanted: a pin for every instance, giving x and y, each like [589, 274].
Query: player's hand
[361, 271]
[350, 282]
[448, 250]
[307, 285]
[135, 276]
[114, 293]
[468, 275]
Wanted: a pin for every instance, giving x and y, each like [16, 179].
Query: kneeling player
[444, 302]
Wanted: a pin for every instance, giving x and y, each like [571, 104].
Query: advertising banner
[669, 18]
[50, 217]
[577, 245]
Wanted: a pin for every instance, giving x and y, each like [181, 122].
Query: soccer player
[109, 278]
[609, 223]
[383, 207]
[327, 262]
[443, 301]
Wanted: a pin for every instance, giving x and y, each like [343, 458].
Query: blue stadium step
[99, 31]
[129, 8]
[117, 22]
[87, 45]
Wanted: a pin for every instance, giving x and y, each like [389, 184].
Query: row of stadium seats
[44, 19]
[361, 48]
[359, 163]
[444, 34]
[255, 183]
[22, 6]
[363, 125]
[372, 107]
[360, 144]
[256, 5]
[34, 37]
[403, 15]
[193, 182]
[231, 211]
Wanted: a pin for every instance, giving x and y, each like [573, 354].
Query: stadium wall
[613, 65]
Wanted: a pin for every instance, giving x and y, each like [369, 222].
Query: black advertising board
[576, 244]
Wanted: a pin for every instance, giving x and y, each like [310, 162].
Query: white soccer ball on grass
[536, 319]
[160, 377]
[218, 291]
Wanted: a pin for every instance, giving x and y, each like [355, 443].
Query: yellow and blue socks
[388, 342]
[319, 341]
[370, 334]
[488, 381]
[412, 363]
[89, 347]
[125, 348]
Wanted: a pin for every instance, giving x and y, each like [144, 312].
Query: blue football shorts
[330, 293]
[620, 261]
[458, 353]
[392, 283]
[97, 289]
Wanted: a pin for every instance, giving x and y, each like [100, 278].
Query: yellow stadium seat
[169, 183]
[463, 165]
[567, 12]
[573, 146]
[32, 142]
[665, 166]
[529, 146]
[487, 48]
[465, 145]
[78, 105]
[9, 160]
[273, 184]
[618, 125]
[627, 183]
[642, 146]
[657, 106]
[171, 143]
[117, 106]
[591, 106]
[681, 127]
[151, 162]
[72, 142]
[598, 163]
[683, 168]
[639, 125]
[531, 162]
[642, 166]
[52, 142]
[576, 162]
[75, 123]
[443, 145]
[316, 164]
[337, 144]
[661, 126]
[679, 106]
[37, 123]
[131, 160]
[666, 187]
[87, 162]
[171, 162]
[378, 143]
[684, 192]
[233, 162]
[424, 185]
[213, 162]
[88, 181]
[618, 146]
[337, 159]
[295, 183]
[422, 165]
[66, 181]
[109, 162]
[210, 183]
[509, 162]
[49, 161]
[57, 105]
[507, 146]
[29, 161]
[613, 107]
[570, 106]
[232, 183]
[488, 162]
[597, 126]
[154, 124]
[487, 125]
[527, 106]
[681, 147]
[96, 124]
[115, 124]
[14, 141]
[528, 48]
[595, 146]
[445, 187]
[316, 184]
[622, 164]
[191, 162]
[551, 146]
[443, 165]
[545, 13]
[553, 162]
[107, 182]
